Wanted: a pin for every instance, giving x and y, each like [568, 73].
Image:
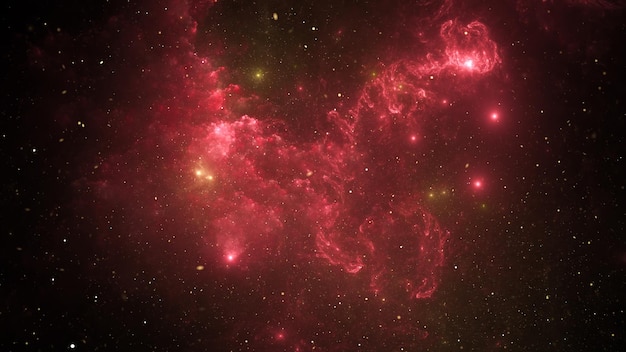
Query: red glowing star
[280, 336]
[477, 184]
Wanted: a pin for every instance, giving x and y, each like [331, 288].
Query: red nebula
[469, 47]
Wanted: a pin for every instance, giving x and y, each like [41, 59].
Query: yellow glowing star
[201, 174]
[258, 75]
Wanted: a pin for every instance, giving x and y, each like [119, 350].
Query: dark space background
[114, 239]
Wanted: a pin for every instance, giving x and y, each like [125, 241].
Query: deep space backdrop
[350, 175]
